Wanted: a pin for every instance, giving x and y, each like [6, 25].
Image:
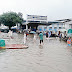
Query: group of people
[48, 34]
[60, 36]
[69, 40]
[34, 38]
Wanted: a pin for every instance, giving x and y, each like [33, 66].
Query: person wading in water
[41, 37]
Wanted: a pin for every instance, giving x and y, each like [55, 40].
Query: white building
[68, 25]
[34, 20]
[54, 27]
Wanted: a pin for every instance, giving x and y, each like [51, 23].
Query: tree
[20, 14]
[10, 19]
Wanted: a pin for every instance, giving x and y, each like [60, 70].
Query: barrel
[2, 43]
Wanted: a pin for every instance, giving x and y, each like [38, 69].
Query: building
[42, 24]
[33, 21]
[67, 23]
[54, 26]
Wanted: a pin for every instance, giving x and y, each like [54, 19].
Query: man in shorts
[41, 37]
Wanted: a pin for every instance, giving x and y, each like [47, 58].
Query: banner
[36, 17]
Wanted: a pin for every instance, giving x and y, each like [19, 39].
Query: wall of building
[53, 27]
[68, 25]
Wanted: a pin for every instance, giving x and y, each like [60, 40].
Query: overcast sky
[53, 9]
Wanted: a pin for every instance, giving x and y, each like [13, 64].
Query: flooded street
[53, 56]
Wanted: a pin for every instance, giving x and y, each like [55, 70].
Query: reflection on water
[2, 50]
[41, 47]
[53, 56]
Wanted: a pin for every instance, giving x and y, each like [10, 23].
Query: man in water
[47, 34]
[41, 37]
[34, 38]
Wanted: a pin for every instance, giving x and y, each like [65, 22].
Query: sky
[53, 9]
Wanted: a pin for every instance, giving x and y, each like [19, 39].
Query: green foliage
[10, 19]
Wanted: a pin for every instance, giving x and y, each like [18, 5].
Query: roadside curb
[14, 46]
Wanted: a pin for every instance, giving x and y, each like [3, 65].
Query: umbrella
[70, 31]
[33, 32]
[14, 27]
[69, 34]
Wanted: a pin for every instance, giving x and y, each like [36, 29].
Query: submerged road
[53, 56]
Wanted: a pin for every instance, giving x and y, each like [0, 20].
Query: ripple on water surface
[53, 56]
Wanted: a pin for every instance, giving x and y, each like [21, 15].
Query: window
[45, 27]
[40, 27]
[59, 27]
[55, 27]
[50, 27]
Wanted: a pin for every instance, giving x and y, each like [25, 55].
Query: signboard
[36, 17]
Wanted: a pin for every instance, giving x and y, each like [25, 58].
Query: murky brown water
[53, 56]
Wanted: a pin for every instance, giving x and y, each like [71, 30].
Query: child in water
[69, 41]
[24, 38]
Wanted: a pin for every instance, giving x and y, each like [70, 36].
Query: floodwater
[53, 56]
